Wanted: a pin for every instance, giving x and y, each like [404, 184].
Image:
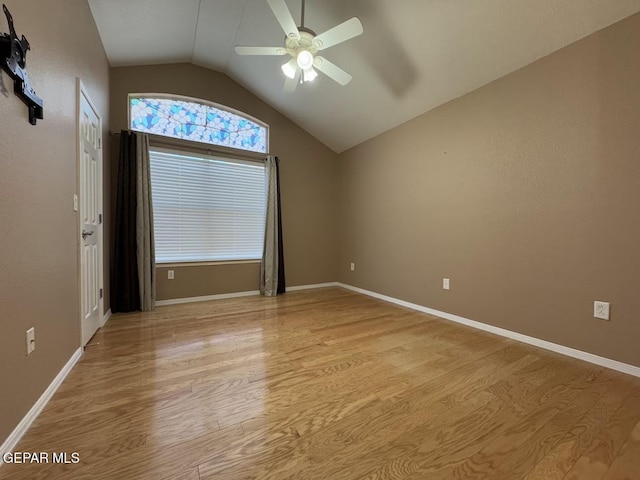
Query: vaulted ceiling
[414, 55]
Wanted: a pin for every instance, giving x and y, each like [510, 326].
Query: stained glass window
[188, 119]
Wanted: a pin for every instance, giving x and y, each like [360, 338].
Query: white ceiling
[414, 55]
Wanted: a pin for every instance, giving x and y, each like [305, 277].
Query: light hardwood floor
[332, 385]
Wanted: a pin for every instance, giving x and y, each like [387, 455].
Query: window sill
[203, 263]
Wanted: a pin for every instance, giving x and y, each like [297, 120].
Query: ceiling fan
[303, 45]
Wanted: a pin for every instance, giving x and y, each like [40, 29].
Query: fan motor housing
[304, 43]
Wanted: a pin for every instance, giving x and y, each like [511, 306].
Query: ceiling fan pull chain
[302, 14]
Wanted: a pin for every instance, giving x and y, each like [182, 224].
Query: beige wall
[196, 281]
[38, 244]
[308, 181]
[525, 193]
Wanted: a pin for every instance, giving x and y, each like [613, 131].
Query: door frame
[82, 92]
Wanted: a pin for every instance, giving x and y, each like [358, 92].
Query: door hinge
[100, 293]
[100, 218]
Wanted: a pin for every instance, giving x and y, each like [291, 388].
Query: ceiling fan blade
[338, 34]
[260, 50]
[284, 17]
[332, 71]
[290, 84]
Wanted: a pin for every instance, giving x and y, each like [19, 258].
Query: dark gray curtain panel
[133, 264]
[125, 292]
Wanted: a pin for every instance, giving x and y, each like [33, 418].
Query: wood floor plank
[594, 464]
[627, 464]
[522, 459]
[557, 463]
[452, 451]
[370, 429]
[329, 384]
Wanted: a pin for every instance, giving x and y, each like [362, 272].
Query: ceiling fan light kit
[289, 68]
[309, 75]
[303, 46]
[304, 59]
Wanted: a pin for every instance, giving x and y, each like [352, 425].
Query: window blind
[207, 208]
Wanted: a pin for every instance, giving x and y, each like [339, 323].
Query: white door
[90, 137]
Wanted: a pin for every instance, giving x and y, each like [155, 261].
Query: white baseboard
[313, 285]
[221, 296]
[13, 439]
[106, 318]
[554, 347]
[176, 301]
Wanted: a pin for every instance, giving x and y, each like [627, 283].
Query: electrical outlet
[353, 267]
[31, 340]
[170, 274]
[445, 284]
[601, 310]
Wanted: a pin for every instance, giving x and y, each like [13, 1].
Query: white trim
[106, 318]
[314, 285]
[221, 296]
[13, 439]
[536, 342]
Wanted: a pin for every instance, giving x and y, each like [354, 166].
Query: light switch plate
[31, 340]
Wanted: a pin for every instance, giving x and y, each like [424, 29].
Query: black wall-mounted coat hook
[13, 60]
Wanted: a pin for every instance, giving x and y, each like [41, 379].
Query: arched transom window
[198, 121]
